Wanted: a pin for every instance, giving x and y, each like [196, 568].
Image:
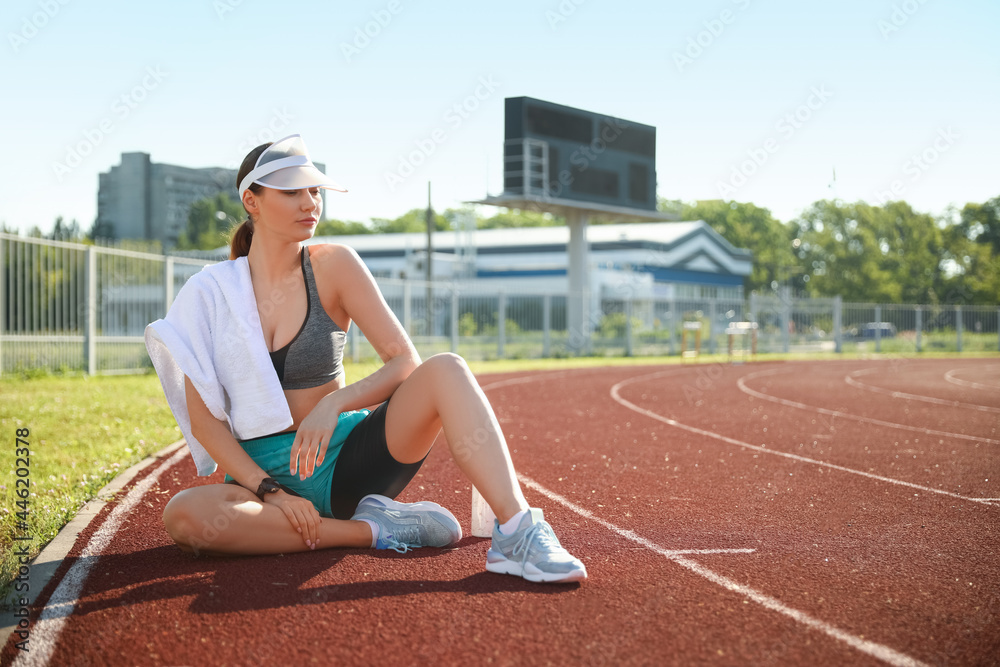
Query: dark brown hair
[239, 244]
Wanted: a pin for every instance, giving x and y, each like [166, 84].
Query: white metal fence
[73, 306]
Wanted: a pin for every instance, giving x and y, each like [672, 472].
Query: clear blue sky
[888, 80]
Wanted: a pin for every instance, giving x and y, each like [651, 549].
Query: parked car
[886, 329]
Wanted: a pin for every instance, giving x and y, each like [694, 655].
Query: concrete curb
[44, 567]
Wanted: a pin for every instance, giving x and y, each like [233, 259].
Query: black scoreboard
[553, 151]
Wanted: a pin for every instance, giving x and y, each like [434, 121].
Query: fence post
[838, 324]
[998, 323]
[672, 323]
[168, 283]
[786, 318]
[878, 329]
[546, 325]
[958, 326]
[501, 322]
[711, 326]
[628, 326]
[90, 313]
[920, 326]
[454, 320]
[407, 321]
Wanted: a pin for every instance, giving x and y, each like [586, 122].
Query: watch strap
[267, 485]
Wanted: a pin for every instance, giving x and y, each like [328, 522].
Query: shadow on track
[254, 583]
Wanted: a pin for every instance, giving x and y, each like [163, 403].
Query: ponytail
[239, 244]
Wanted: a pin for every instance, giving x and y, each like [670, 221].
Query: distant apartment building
[140, 199]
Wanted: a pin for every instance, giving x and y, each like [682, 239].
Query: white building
[661, 260]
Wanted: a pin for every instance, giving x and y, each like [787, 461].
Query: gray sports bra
[315, 355]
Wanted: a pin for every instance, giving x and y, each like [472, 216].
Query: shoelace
[403, 539]
[540, 531]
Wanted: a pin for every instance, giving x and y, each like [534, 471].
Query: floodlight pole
[577, 316]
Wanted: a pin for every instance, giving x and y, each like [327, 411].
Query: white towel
[212, 334]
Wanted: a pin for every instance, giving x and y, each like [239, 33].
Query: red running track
[782, 513]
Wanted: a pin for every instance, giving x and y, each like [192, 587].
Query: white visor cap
[285, 165]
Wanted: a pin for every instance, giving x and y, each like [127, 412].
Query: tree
[972, 255]
[210, 222]
[413, 220]
[981, 223]
[101, 230]
[514, 218]
[748, 226]
[860, 252]
[341, 228]
[62, 231]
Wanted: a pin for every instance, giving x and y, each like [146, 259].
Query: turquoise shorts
[274, 452]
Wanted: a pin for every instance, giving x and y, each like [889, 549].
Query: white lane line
[851, 379]
[524, 379]
[45, 633]
[844, 415]
[879, 651]
[616, 395]
[704, 552]
[950, 377]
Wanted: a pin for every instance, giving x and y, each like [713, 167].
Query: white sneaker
[405, 526]
[533, 552]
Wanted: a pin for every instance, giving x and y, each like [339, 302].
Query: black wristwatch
[267, 485]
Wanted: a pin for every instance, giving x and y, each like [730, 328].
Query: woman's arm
[358, 300]
[218, 441]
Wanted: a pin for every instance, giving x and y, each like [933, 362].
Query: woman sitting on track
[250, 360]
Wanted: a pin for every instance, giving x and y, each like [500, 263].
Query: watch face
[268, 486]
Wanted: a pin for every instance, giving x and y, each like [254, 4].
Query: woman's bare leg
[228, 519]
[442, 393]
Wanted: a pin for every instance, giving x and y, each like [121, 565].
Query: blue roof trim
[662, 275]
[526, 273]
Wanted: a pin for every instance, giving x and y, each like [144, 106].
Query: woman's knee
[179, 517]
[193, 519]
[448, 364]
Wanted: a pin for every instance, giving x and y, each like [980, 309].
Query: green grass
[83, 431]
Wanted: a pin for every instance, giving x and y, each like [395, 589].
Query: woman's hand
[313, 437]
[300, 513]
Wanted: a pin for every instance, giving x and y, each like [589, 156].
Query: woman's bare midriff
[302, 401]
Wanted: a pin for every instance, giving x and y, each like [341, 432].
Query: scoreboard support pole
[577, 306]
